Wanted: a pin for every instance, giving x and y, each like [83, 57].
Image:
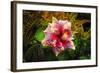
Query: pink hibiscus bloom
[58, 35]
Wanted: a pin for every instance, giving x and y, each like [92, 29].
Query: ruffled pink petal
[58, 35]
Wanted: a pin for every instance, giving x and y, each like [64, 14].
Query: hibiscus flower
[58, 35]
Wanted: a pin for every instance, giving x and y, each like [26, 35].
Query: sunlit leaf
[39, 35]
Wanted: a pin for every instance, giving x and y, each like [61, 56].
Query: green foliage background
[35, 22]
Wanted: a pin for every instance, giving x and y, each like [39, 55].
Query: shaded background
[34, 22]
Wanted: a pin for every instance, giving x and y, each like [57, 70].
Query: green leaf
[83, 57]
[67, 54]
[34, 54]
[39, 35]
[49, 54]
